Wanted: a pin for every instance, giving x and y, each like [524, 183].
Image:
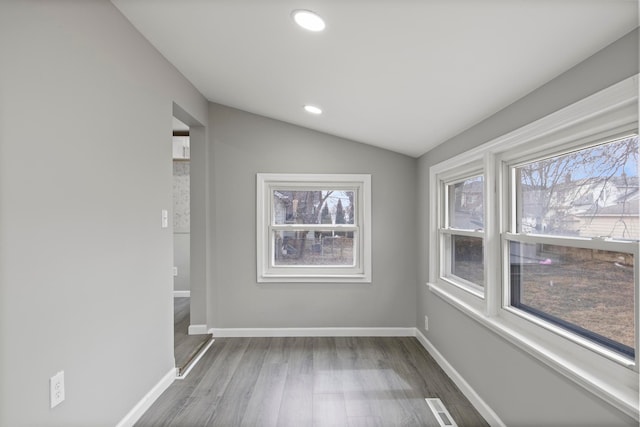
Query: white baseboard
[194, 361]
[145, 403]
[481, 406]
[181, 294]
[198, 330]
[311, 332]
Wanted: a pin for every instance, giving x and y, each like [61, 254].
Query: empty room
[319, 213]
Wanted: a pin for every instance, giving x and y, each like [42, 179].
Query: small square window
[314, 228]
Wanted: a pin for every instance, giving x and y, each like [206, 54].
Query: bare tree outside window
[312, 246]
[588, 193]
[591, 193]
[313, 228]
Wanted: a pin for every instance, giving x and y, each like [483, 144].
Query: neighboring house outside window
[577, 274]
[560, 240]
[462, 229]
[314, 227]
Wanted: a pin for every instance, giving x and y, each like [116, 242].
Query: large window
[536, 235]
[574, 238]
[313, 228]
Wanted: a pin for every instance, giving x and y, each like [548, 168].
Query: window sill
[277, 278]
[465, 286]
[597, 381]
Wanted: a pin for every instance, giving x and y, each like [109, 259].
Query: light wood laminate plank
[301, 381]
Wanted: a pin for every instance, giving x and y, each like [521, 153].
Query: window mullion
[491, 238]
[314, 227]
[575, 242]
[468, 233]
[545, 231]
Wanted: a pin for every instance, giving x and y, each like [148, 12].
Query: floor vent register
[440, 412]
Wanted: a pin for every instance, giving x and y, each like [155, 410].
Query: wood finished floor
[297, 382]
[184, 345]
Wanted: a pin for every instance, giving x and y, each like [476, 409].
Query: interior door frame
[199, 225]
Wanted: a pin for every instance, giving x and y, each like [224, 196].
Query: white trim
[461, 232]
[181, 294]
[198, 330]
[602, 383]
[440, 270]
[145, 403]
[481, 406]
[616, 97]
[267, 272]
[194, 361]
[605, 244]
[608, 114]
[311, 332]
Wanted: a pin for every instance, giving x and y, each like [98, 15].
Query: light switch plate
[165, 218]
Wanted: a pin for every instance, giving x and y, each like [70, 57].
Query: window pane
[313, 207]
[467, 259]
[466, 204]
[314, 248]
[587, 193]
[590, 292]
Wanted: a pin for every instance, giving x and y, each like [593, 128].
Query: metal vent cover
[441, 413]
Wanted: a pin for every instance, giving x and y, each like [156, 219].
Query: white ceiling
[405, 75]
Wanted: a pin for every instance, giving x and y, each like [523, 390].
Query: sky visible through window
[587, 193]
[326, 206]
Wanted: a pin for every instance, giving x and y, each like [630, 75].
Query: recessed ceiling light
[312, 109]
[308, 20]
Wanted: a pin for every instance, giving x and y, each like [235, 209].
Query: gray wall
[181, 250]
[85, 269]
[514, 384]
[242, 145]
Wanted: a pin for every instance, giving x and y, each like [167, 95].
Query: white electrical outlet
[175, 271]
[426, 323]
[56, 389]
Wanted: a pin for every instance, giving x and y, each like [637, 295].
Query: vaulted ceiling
[405, 75]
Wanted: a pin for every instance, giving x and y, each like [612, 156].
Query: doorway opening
[186, 347]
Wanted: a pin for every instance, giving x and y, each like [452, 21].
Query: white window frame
[514, 158]
[267, 271]
[446, 232]
[603, 116]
